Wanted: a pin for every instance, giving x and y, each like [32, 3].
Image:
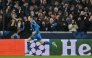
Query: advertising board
[65, 47]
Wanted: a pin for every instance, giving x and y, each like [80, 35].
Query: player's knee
[42, 43]
[29, 39]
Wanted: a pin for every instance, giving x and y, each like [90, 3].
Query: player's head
[29, 18]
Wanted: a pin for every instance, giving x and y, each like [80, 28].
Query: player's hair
[30, 16]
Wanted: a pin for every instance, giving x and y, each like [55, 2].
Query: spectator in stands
[34, 2]
[19, 22]
[64, 25]
[20, 25]
[85, 22]
[79, 23]
[73, 26]
[68, 20]
[8, 14]
[10, 3]
[17, 8]
[1, 23]
[65, 9]
[12, 26]
[26, 24]
[90, 5]
[1, 4]
[31, 10]
[26, 8]
[57, 5]
[45, 5]
[46, 19]
[52, 25]
[76, 2]
[90, 21]
[43, 27]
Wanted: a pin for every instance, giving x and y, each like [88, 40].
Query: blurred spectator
[1, 4]
[1, 23]
[44, 26]
[20, 25]
[34, 2]
[65, 9]
[45, 5]
[90, 5]
[52, 25]
[10, 3]
[19, 22]
[12, 26]
[68, 20]
[79, 23]
[90, 21]
[64, 25]
[26, 24]
[85, 22]
[25, 8]
[73, 26]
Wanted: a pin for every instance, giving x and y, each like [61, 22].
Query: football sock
[48, 43]
[28, 46]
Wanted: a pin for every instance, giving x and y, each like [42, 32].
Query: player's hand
[34, 32]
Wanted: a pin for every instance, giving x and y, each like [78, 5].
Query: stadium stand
[51, 15]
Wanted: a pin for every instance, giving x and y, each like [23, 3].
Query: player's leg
[48, 43]
[45, 42]
[28, 43]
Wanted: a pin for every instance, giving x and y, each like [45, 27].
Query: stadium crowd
[51, 15]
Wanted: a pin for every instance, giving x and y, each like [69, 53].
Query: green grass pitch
[45, 56]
